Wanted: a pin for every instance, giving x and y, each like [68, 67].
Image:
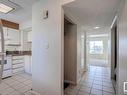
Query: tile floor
[98, 62]
[19, 84]
[95, 82]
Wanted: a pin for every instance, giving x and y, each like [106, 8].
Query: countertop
[18, 53]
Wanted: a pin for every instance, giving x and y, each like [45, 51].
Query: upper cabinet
[26, 39]
[29, 38]
[11, 33]
[13, 37]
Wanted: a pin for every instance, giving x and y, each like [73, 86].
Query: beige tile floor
[95, 82]
[20, 84]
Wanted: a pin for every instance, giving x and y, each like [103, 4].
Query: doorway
[97, 49]
[114, 53]
[70, 53]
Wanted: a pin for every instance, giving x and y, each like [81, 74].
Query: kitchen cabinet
[13, 36]
[29, 36]
[26, 36]
[28, 64]
[12, 39]
[17, 64]
[11, 32]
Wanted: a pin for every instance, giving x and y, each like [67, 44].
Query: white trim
[114, 20]
[67, 1]
[124, 87]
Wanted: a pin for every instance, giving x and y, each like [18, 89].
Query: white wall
[47, 48]
[79, 53]
[26, 24]
[83, 49]
[122, 48]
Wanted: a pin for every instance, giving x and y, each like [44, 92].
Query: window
[96, 47]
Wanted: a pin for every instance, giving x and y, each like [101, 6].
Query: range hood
[11, 4]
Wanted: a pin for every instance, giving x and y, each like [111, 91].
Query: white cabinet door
[28, 64]
[30, 36]
[13, 36]
[17, 64]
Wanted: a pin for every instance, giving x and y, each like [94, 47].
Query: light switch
[46, 45]
[45, 14]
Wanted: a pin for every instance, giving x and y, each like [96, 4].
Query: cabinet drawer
[18, 61]
[18, 66]
[17, 57]
[18, 70]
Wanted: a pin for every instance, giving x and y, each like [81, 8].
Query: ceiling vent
[11, 4]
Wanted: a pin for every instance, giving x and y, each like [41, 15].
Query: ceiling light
[82, 36]
[96, 27]
[5, 9]
[99, 35]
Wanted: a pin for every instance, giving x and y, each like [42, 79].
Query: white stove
[7, 71]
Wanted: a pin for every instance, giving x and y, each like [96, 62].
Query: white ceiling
[21, 15]
[92, 13]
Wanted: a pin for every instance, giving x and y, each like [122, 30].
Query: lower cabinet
[28, 64]
[21, 64]
[17, 64]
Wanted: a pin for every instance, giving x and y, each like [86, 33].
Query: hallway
[98, 63]
[95, 82]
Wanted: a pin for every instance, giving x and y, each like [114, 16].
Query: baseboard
[79, 80]
[70, 82]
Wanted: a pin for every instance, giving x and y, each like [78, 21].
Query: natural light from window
[96, 47]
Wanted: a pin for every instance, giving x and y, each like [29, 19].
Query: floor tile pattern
[20, 84]
[95, 82]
